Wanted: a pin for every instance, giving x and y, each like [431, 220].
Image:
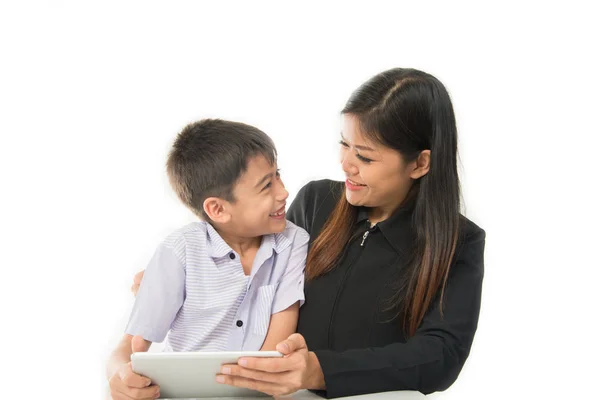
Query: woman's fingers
[137, 280]
[272, 389]
[275, 376]
[120, 387]
[291, 360]
[272, 365]
[148, 393]
[293, 343]
[256, 375]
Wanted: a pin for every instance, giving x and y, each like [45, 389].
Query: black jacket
[346, 319]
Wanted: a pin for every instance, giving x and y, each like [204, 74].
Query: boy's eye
[277, 175]
[344, 143]
[363, 159]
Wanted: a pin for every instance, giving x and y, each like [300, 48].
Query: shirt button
[239, 323]
[232, 256]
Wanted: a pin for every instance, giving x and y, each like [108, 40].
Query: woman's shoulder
[470, 246]
[470, 231]
[315, 201]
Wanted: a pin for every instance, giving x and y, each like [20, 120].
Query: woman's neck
[381, 213]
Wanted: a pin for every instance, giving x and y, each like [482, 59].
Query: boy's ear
[214, 207]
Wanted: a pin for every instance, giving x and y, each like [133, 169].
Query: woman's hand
[126, 385]
[137, 280]
[298, 369]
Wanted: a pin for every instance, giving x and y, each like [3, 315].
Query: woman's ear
[214, 207]
[421, 165]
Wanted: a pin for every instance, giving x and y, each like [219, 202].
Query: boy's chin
[277, 226]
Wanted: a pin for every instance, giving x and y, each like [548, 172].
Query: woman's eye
[344, 143]
[364, 159]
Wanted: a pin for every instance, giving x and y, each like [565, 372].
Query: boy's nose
[283, 194]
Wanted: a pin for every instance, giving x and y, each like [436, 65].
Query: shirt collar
[217, 247]
[397, 229]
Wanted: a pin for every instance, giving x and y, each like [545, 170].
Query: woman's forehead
[352, 132]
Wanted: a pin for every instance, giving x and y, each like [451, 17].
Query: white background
[92, 95]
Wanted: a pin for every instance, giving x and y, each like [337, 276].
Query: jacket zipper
[364, 238]
[341, 287]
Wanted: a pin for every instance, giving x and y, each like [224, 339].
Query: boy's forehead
[258, 167]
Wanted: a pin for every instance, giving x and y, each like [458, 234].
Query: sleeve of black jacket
[430, 360]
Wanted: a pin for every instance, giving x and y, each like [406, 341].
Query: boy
[234, 280]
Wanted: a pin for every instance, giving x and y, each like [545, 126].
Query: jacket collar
[397, 229]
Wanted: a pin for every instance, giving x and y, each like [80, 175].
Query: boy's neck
[240, 245]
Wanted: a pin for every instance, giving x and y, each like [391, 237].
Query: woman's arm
[429, 361]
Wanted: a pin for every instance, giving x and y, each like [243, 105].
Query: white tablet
[192, 374]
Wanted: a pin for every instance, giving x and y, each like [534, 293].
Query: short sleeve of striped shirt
[291, 286]
[161, 292]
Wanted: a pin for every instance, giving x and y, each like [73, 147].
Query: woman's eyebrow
[360, 147]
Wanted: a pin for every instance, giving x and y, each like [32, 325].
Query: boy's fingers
[131, 379]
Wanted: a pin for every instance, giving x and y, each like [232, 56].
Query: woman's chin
[353, 198]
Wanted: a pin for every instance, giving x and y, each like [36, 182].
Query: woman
[394, 272]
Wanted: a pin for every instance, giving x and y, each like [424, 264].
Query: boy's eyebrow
[264, 179]
[364, 148]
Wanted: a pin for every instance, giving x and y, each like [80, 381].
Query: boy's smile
[260, 199]
[279, 214]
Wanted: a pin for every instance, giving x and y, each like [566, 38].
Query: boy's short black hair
[209, 156]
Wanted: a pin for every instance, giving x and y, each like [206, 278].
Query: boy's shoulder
[291, 235]
[187, 233]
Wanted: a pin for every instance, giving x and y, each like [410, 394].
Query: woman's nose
[348, 167]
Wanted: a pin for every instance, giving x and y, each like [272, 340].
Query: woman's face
[376, 176]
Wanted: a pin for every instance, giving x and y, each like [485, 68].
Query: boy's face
[260, 196]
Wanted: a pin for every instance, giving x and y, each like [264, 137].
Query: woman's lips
[354, 185]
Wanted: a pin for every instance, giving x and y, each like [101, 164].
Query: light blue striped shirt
[195, 290]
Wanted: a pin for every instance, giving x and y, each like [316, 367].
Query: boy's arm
[289, 295]
[282, 325]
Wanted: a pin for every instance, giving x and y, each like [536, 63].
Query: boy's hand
[137, 280]
[126, 384]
